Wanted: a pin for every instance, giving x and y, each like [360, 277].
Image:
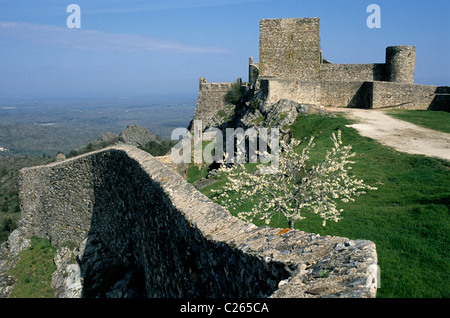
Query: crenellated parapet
[211, 100]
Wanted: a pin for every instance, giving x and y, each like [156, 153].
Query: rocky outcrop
[126, 225]
[60, 157]
[136, 136]
[9, 252]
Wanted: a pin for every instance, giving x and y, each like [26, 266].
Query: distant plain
[46, 127]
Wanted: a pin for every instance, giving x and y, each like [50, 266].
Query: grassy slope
[34, 271]
[437, 120]
[407, 217]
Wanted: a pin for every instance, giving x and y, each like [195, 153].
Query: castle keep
[291, 66]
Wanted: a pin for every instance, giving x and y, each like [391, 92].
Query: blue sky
[161, 47]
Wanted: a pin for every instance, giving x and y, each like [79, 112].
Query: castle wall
[324, 93]
[290, 48]
[441, 101]
[346, 94]
[358, 94]
[408, 96]
[211, 99]
[132, 219]
[253, 73]
[400, 64]
[304, 92]
[352, 72]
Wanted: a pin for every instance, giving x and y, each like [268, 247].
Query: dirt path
[400, 135]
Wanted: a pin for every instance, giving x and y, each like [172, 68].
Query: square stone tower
[290, 48]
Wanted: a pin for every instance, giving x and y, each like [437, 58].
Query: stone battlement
[139, 229]
[219, 87]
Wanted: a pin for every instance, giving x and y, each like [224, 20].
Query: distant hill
[61, 125]
[20, 139]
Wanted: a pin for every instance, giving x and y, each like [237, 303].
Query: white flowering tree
[294, 188]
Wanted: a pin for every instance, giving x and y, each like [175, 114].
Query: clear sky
[160, 47]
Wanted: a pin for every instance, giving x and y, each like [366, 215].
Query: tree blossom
[294, 188]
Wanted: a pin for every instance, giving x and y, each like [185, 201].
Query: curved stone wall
[137, 229]
[400, 64]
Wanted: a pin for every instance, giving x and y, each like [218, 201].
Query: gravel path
[400, 135]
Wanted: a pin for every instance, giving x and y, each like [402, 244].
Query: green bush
[234, 94]
[8, 225]
[158, 149]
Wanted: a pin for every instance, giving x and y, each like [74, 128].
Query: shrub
[234, 94]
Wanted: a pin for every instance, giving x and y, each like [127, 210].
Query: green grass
[407, 217]
[33, 271]
[437, 120]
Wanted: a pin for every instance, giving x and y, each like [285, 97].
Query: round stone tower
[400, 64]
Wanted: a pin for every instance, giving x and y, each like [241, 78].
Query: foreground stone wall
[128, 226]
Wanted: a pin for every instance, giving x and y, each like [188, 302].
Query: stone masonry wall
[290, 48]
[441, 101]
[368, 94]
[410, 96]
[210, 100]
[291, 66]
[400, 64]
[325, 93]
[352, 72]
[305, 92]
[139, 229]
[346, 94]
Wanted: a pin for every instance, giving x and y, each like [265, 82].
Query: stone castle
[291, 66]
